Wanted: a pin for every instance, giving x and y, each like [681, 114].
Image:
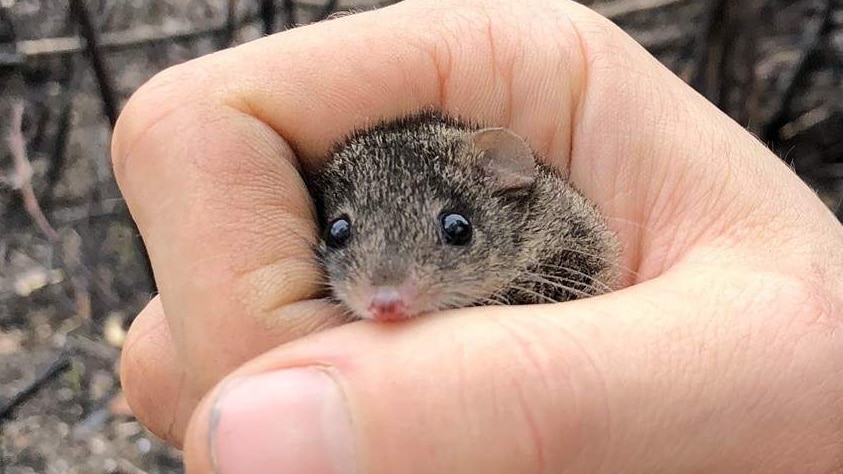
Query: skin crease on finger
[692, 194]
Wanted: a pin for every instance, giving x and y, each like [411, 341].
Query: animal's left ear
[505, 156]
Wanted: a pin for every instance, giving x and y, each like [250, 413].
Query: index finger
[204, 155]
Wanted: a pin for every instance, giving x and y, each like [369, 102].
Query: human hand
[722, 356]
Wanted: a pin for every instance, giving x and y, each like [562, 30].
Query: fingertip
[157, 98]
[152, 376]
[289, 420]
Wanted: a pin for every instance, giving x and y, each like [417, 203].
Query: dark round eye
[456, 230]
[339, 232]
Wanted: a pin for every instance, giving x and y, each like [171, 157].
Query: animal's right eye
[456, 230]
[339, 232]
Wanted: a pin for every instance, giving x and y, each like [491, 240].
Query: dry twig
[104, 79]
[138, 36]
[57, 367]
[22, 179]
[145, 35]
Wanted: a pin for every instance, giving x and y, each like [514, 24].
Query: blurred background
[73, 272]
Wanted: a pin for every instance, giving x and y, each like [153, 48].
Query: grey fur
[545, 243]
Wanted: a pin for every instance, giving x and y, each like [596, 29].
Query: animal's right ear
[505, 156]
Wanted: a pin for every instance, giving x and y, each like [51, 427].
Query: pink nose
[388, 304]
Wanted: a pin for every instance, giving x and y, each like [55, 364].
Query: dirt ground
[72, 275]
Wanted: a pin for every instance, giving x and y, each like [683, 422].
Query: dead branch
[22, 180]
[778, 124]
[144, 35]
[57, 367]
[117, 40]
[227, 36]
[104, 79]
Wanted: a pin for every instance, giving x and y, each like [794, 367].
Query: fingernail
[290, 421]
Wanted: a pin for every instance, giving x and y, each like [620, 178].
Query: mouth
[389, 317]
[386, 313]
[385, 303]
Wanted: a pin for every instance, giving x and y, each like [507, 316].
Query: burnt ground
[72, 274]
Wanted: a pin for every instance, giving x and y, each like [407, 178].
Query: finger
[701, 370]
[215, 190]
[228, 227]
[153, 378]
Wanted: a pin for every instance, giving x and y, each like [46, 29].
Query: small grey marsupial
[428, 212]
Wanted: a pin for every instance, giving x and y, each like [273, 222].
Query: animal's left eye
[456, 230]
[339, 232]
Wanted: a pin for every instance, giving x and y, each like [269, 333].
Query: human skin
[723, 353]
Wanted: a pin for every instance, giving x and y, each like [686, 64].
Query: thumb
[642, 380]
[465, 393]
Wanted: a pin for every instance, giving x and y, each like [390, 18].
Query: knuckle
[155, 102]
[808, 302]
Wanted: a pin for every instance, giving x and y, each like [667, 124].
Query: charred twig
[22, 180]
[803, 123]
[59, 143]
[138, 36]
[697, 75]
[770, 132]
[107, 93]
[268, 15]
[77, 258]
[230, 24]
[85, 345]
[708, 78]
[727, 76]
[61, 364]
[109, 99]
[740, 95]
[9, 56]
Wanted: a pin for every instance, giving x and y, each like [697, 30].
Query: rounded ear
[505, 156]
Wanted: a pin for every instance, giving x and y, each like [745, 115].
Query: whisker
[584, 253]
[594, 280]
[610, 261]
[561, 286]
[567, 282]
[500, 299]
[591, 277]
[546, 298]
